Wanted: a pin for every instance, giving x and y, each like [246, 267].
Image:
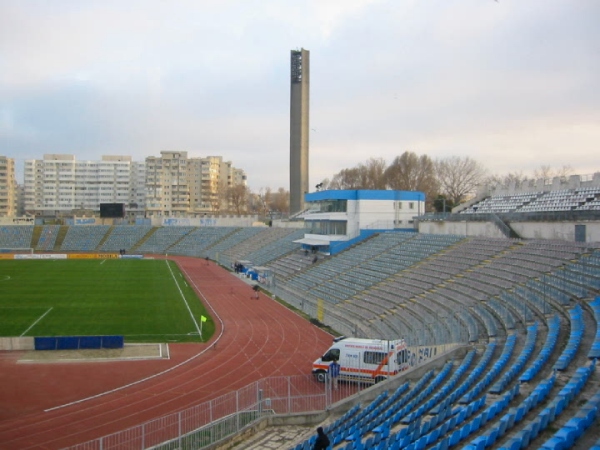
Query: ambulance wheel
[379, 379]
[321, 377]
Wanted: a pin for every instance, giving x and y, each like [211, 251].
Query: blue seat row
[412, 414]
[384, 438]
[384, 409]
[577, 329]
[475, 373]
[513, 417]
[551, 338]
[595, 348]
[522, 438]
[478, 421]
[445, 396]
[514, 369]
[498, 367]
[574, 428]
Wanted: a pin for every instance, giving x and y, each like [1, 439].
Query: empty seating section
[577, 329]
[283, 245]
[311, 278]
[85, 238]
[200, 240]
[595, 348]
[47, 239]
[367, 264]
[162, 239]
[551, 339]
[421, 299]
[264, 246]
[573, 429]
[502, 203]
[16, 236]
[515, 368]
[587, 198]
[503, 312]
[124, 237]
[564, 200]
[291, 264]
[232, 239]
[585, 272]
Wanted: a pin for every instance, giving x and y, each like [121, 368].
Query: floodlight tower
[299, 128]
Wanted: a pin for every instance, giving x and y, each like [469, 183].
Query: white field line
[183, 297]
[6, 278]
[103, 261]
[33, 324]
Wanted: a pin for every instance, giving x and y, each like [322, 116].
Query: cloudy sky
[511, 83]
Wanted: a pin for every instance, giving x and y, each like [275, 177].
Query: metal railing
[213, 421]
[209, 422]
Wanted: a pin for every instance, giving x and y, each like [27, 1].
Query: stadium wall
[564, 230]
[216, 221]
[466, 228]
[16, 343]
[9, 220]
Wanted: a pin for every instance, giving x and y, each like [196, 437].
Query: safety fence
[202, 425]
[223, 417]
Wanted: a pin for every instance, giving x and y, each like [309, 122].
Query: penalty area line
[33, 324]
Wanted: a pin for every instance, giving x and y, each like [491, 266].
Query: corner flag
[203, 319]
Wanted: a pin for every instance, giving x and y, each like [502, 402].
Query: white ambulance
[371, 360]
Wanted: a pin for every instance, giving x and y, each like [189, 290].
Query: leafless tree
[410, 172]
[372, 174]
[459, 177]
[346, 179]
[368, 175]
[547, 172]
[277, 201]
[494, 181]
[254, 202]
[237, 198]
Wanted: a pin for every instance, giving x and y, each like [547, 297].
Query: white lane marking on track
[170, 369]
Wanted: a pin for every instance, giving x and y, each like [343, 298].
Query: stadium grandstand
[523, 305]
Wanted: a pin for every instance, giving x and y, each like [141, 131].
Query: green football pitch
[143, 300]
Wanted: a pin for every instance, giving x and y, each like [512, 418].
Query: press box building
[336, 219]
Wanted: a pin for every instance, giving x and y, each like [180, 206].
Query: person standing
[322, 441]
[334, 373]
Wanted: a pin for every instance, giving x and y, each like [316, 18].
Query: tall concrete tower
[299, 127]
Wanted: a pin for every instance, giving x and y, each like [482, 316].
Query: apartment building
[177, 185]
[8, 187]
[171, 185]
[60, 184]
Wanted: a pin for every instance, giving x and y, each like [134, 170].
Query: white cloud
[512, 84]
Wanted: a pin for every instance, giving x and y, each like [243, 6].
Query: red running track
[56, 405]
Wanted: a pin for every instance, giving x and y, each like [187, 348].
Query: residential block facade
[169, 185]
[8, 187]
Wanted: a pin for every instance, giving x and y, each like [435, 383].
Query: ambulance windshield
[332, 354]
